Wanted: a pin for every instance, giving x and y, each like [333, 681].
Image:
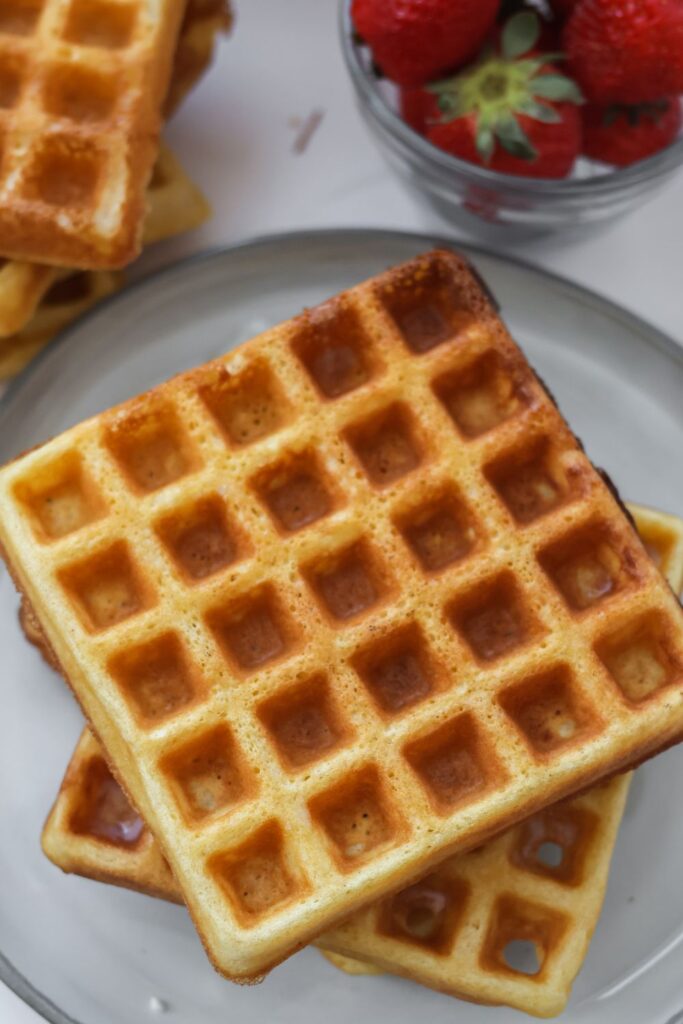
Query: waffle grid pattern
[174, 205]
[541, 885]
[504, 924]
[435, 931]
[81, 87]
[322, 605]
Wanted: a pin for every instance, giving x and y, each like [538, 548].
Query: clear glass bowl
[491, 205]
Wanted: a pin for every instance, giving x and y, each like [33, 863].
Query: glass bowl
[488, 204]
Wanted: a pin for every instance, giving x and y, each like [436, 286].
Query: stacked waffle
[341, 607]
[83, 181]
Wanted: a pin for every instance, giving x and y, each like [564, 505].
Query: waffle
[83, 86]
[367, 542]
[67, 299]
[349, 965]
[23, 284]
[175, 205]
[93, 831]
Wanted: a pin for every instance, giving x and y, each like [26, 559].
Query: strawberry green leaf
[531, 65]
[514, 139]
[446, 104]
[486, 142]
[448, 100]
[520, 34]
[556, 87]
[539, 111]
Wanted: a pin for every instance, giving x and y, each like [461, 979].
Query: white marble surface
[236, 137]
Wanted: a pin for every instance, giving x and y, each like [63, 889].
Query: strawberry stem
[502, 86]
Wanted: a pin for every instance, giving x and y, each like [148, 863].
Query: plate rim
[650, 334]
[656, 336]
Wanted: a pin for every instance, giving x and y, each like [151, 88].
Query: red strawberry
[623, 135]
[413, 41]
[512, 112]
[626, 51]
[417, 106]
[548, 152]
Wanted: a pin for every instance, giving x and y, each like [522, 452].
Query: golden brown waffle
[93, 831]
[93, 827]
[23, 285]
[349, 965]
[67, 299]
[175, 205]
[82, 90]
[662, 535]
[364, 541]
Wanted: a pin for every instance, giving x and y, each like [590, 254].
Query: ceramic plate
[78, 951]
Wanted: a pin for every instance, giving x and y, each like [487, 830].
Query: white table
[235, 136]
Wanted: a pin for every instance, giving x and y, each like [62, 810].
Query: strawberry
[413, 41]
[417, 107]
[513, 111]
[623, 135]
[626, 51]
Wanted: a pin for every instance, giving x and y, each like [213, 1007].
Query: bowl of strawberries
[516, 118]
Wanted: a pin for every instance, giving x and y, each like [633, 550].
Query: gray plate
[100, 955]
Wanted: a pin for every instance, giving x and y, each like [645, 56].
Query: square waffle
[443, 931]
[83, 83]
[341, 603]
[174, 205]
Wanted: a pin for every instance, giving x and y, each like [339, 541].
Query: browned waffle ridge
[372, 515]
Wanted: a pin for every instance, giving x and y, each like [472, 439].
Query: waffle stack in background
[542, 883]
[342, 604]
[37, 299]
